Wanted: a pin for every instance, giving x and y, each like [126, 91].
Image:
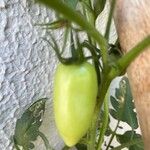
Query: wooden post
[132, 18]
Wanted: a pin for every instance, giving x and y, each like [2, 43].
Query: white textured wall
[26, 63]
[26, 66]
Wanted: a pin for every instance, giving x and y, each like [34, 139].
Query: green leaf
[114, 103]
[123, 104]
[98, 6]
[27, 127]
[139, 146]
[127, 137]
[113, 113]
[71, 3]
[129, 115]
[118, 93]
[108, 131]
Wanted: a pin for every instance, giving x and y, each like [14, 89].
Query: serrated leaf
[98, 6]
[127, 137]
[117, 93]
[100, 122]
[139, 146]
[125, 111]
[27, 127]
[129, 115]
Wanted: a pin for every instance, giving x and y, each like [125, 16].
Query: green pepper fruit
[75, 91]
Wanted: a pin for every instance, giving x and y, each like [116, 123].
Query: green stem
[128, 144]
[95, 59]
[45, 140]
[107, 32]
[105, 122]
[72, 15]
[124, 62]
[87, 11]
[90, 17]
[92, 133]
[101, 95]
[113, 135]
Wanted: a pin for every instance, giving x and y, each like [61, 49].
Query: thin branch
[105, 122]
[107, 32]
[125, 61]
[113, 135]
[45, 140]
[74, 16]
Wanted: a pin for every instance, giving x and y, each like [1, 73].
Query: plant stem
[105, 122]
[107, 32]
[113, 134]
[45, 140]
[72, 15]
[124, 62]
[133, 142]
[90, 17]
[101, 95]
[92, 134]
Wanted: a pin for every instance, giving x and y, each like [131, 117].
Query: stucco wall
[26, 62]
[27, 65]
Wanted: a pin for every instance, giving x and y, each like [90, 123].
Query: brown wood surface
[132, 19]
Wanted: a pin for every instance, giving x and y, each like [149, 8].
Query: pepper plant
[86, 114]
